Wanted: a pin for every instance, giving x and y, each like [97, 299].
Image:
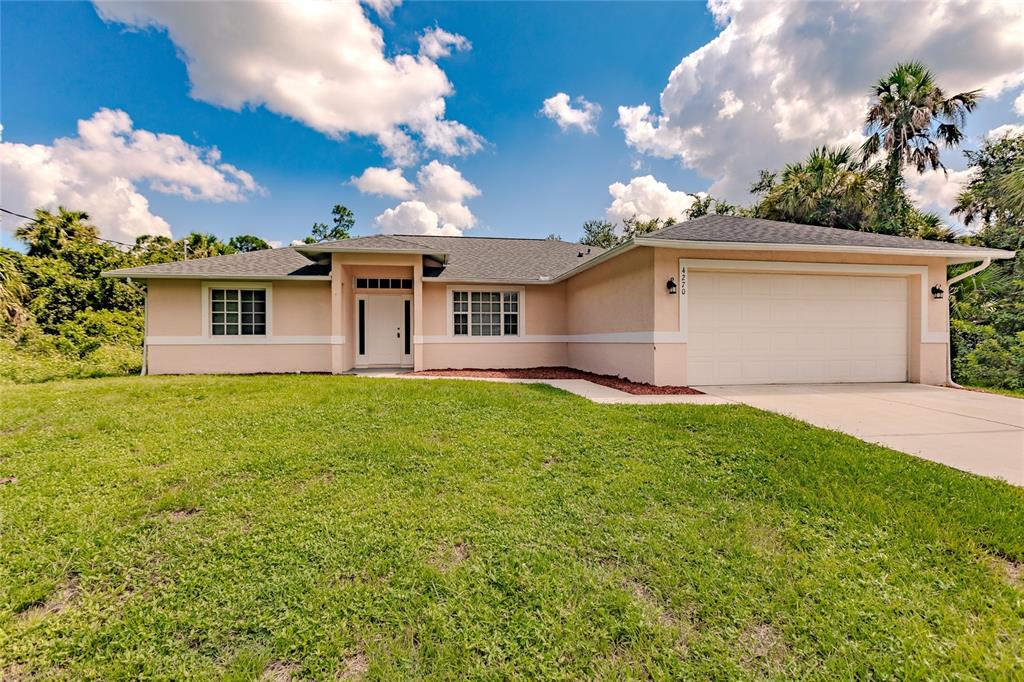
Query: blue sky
[62, 63]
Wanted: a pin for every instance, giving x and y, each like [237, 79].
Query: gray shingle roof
[286, 262]
[504, 259]
[721, 228]
[531, 260]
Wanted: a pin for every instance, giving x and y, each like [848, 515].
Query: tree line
[57, 311]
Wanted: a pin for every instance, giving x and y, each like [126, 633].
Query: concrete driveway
[977, 432]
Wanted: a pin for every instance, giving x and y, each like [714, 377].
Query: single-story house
[715, 300]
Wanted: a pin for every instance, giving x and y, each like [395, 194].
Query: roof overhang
[313, 249]
[957, 256]
[199, 275]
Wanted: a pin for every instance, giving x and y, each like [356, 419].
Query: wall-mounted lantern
[937, 291]
[671, 285]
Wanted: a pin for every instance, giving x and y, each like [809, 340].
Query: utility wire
[36, 220]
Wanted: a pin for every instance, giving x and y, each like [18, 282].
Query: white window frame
[520, 291]
[237, 338]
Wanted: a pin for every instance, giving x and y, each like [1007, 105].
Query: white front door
[385, 330]
[747, 328]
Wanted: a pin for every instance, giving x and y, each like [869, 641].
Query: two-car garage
[785, 327]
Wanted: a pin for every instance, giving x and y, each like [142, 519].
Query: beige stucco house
[715, 300]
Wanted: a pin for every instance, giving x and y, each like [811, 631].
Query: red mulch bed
[563, 373]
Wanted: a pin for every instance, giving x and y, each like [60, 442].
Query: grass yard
[314, 526]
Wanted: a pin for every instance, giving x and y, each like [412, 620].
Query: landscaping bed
[636, 388]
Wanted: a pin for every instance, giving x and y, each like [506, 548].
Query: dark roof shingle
[286, 262]
[735, 229]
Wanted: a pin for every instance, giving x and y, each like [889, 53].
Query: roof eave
[963, 255]
[210, 276]
[340, 249]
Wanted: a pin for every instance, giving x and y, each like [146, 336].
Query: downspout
[145, 323]
[949, 337]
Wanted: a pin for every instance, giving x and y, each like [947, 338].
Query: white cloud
[647, 198]
[437, 42]
[322, 63]
[383, 8]
[559, 108]
[731, 104]
[1018, 104]
[1004, 130]
[99, 170]
[802, 71]
[438, 205]
[385, 182]
[936, 192]
[414, 217]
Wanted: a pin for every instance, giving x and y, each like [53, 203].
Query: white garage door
[785, 329]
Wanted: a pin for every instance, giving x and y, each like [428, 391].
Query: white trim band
[614, 337]
[244, 340]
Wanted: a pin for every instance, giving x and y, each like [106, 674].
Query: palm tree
[832, 187]
[911, 115]
[13, 290]
[49, 232]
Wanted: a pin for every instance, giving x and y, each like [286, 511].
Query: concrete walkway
[978, 432]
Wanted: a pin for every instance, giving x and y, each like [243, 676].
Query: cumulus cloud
[1005, 130]
[99, 170]
[1018, 104]
[437, 42]
[385, 182]
[936, 191]
[647, 198]
[559, 108]
[322, 63]
[783, 77]
[437, 205]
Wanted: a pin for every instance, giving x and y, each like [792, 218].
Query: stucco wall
[926, 358]
[298, 310]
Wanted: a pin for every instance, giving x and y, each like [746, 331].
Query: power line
[36, 220]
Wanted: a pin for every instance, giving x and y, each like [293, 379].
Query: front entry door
[384, 330]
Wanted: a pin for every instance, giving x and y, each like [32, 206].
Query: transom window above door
[238, 312]
[382, 283]
[485, 313]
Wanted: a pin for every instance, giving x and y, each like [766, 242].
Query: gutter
[966, 255]
[949, 344]
[145, 324]
[211, 276]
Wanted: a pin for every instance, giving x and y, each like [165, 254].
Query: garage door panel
[768, 328]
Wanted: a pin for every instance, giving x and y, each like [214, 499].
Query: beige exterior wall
[178, 342]
[926, 358]
[615, 318]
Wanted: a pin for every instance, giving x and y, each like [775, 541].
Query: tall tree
[245, 243]
[989, 197]
[599, 233]
[633, 227]
[205, 245]
[909, 118]
[831, 187]
[51, 232]
[342, 222]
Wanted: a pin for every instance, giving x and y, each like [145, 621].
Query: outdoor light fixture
[937, 291]
[671, 285]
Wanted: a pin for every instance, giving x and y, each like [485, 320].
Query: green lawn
[231, 527]
[1013, 392]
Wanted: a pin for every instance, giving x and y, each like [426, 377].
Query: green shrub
[92, 329]
[982, 357]
[41, 360]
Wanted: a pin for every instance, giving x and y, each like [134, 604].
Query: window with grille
[485, 313]
[382, 283]
[238, 312]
